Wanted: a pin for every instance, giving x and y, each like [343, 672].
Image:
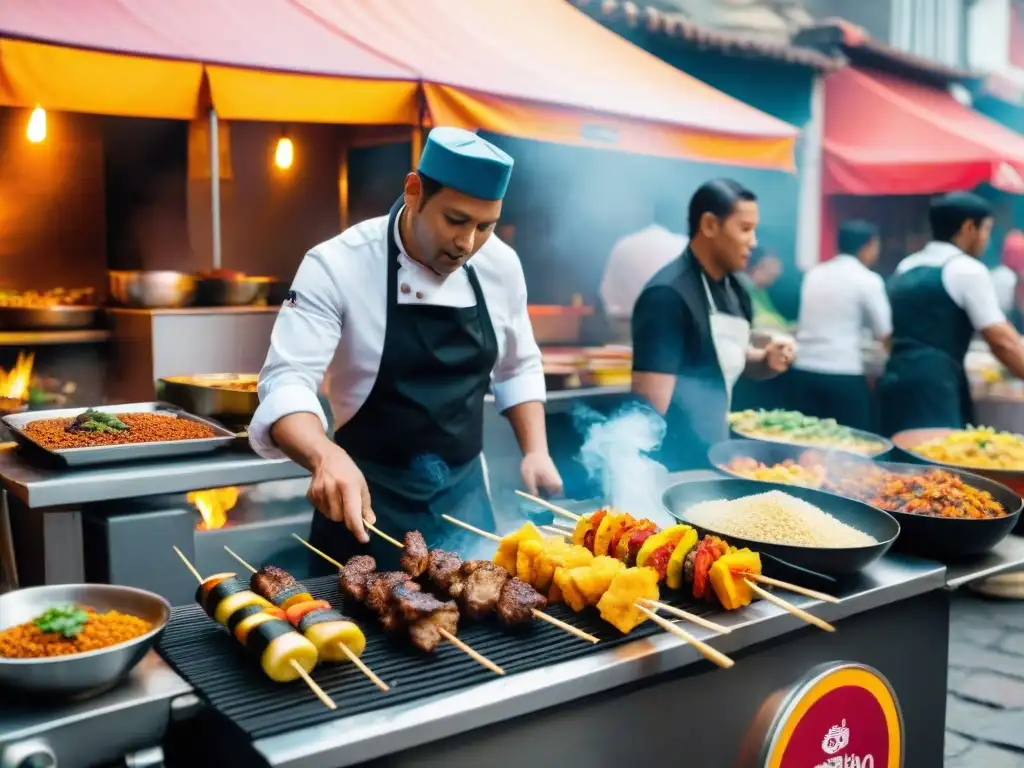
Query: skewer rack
[211, 661]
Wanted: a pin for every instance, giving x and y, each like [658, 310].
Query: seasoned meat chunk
[425, 633]
[271, 581]
[379, 586]
[443, 570]
[482, 581]
[354, 575]
[518, 601]
[415, 557]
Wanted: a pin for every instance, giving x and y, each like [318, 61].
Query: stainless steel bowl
[152, 290]
[231, 291]
[80, 675]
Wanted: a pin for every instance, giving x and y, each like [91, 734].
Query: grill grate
[210, 660]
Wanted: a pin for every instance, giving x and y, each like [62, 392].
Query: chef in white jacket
[413, 336]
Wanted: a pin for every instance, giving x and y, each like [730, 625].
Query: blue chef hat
[468, 164]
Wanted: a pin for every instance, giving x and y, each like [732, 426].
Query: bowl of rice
[805, 527]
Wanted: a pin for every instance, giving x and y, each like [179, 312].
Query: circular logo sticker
[844, 716]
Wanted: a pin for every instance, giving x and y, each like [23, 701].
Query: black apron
[697, 416]
[924, 384]
[419, 435]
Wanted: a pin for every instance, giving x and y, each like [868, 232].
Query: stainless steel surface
[231, 291]
[205, 394]
[108, 454]
[81, 674]
[365, 737]
[1006, 556]
[133, 716]
[46, 488]
[47, 318]
[151, 290]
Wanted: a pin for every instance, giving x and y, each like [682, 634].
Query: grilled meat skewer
[399, 603]
[479, 586]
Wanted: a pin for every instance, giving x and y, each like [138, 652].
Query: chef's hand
[339, 492]
[778, 355]
[539, 473]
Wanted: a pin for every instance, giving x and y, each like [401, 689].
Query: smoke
[616, 454]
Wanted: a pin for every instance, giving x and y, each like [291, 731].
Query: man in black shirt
[691, 327]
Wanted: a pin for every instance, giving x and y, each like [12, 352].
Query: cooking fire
[213, 505]
[15, 384]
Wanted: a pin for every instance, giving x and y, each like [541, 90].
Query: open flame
[214, 504]
[14, 384]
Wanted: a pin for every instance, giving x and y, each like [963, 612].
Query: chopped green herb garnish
[68, 620]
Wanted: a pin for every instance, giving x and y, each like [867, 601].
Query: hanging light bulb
[284, 154]
[36, 131]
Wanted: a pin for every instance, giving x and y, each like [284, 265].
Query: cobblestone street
[985, 703]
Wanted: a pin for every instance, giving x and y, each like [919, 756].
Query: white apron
[731, 336]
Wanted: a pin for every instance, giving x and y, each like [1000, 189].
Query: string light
[36, 131]
[284, 154]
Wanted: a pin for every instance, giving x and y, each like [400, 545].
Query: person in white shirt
[839, 300]
[414, 336]
[941, 296]
[1004, 276]
[636, 258]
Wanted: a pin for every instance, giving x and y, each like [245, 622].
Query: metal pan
[938, 538]
[906, 441]
[867, 436]
[831, 561]
[114, 454]
[205, 395]
[55, 318]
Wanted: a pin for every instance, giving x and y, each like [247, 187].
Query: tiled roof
[676, 25]
[840, 37]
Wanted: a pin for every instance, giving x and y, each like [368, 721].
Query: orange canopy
[266, 60]
[540, 69]
[536, 69]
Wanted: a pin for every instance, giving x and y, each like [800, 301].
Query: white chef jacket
[633, 261]
[966, 280]
[839, 299]
[338, 320]
[1004, 280]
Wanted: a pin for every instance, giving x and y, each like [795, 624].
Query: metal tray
[886, 444]
[61, 317]
[112, 454]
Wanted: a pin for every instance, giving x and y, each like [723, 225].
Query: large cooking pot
[152, 290]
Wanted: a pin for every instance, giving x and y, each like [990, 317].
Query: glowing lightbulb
[36, 130]
[284, 155]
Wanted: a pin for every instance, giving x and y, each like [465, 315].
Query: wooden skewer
[709, 653]
[379, 532]
[800, 613]
[472, 528]
[344, 648]
[555, 531]
[548, 505]
[324, 555]
[326, 700]
[478, 658]
[537, 613]
[685, 615]
[795, 588]
[444, 633]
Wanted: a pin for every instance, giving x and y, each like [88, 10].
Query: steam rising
[615, 454]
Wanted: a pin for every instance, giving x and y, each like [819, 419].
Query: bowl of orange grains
[76, 640]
